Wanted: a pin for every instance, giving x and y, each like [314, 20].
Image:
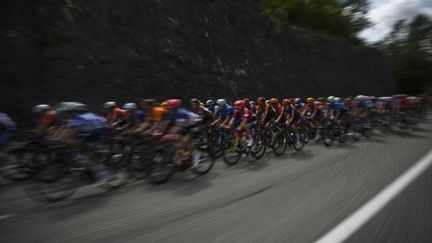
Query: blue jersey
[137, 117]
[224, 112]
[7, 126]
[6, 123]
[88, 125]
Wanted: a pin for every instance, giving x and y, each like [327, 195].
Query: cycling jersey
[224, 112]
[88, 125]
[204, 113]
[183, 117]
[310, 109]
[273, 111]
[49, 118]
[117, 114]
[7, 127]
[290, 110]
[244, 113]
[6, 123]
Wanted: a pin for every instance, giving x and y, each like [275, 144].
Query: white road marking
[356, 220]
[6, 216]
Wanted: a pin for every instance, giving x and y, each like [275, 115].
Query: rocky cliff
[93, 51]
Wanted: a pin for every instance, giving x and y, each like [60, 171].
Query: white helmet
[71, 106]
[41, 107]
[360, 97]
[221, 102]
[330, 98]
[109, 104]
[209, 102]
[130, 106]
[337, 99]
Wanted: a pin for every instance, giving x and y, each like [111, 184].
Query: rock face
[93, 51]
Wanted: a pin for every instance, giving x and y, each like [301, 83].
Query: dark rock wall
[98, 50]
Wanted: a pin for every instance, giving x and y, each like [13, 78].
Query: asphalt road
[294, 198]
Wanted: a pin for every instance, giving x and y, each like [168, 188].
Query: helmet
[260, 100]
[246, 100]
[210, 103]
[336, 99]
[173, 103]
[274, 101]
[239, 104]
[252, 103]
[221, 102]
[360, 97]
[71, 106]
[310, 100]
[163, 104]
[130, 106]
[41, 108]
[267, 101]
[195, 101]
[330, 98]
[321, 99]
[286, 102]
[297, 100]
[109, 105]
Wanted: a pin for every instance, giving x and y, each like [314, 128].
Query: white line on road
[6, 216]
[356, 220]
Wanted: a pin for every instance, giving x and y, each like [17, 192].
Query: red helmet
[246, 100]
[238, 104]
[173, 103]
[286, 102]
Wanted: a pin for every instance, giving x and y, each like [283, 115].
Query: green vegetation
[342, 18]
[409, 50]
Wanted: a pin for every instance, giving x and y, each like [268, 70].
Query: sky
[384, 13]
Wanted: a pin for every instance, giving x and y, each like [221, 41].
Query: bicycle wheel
[280, 145]
[207, 161]
[54, 182]
[259, 147]
[305, 134]
[161, 168]
[231, 151]
[297, 142]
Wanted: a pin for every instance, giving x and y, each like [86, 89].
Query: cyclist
[154, 121]
[272, 112]
[261, 107]
[7, 128]
[292, 115]
[133, 116]
[240, 120]
[84, 132]
[114, 114]
[185, 125]
[204, 113]
[47, 118]
[223, 113]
